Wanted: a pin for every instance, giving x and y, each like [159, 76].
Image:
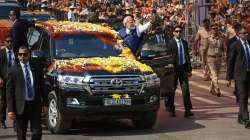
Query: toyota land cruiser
[91, 75]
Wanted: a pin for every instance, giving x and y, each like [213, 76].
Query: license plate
[117, 102]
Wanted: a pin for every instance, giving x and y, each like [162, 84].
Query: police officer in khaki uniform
[214, 49]
[200, 39]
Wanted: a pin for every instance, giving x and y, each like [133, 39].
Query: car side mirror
[37, 54]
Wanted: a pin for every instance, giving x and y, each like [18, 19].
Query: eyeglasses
[23, 54]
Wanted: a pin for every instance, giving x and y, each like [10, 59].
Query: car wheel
[56, 121]
[146, 120]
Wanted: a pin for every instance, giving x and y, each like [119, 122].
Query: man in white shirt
[7, 60]
[238, 69]
[71, 13]
[183, 70]
[24, 91]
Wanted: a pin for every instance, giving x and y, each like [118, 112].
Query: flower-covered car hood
[114, 65]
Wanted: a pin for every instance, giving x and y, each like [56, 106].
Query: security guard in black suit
[183, 70]
[25, 95]
[239, 70]
[7, 60]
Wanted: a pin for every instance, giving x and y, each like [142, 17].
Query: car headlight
[66, 81]
[152, 80]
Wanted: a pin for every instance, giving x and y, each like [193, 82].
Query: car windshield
[85, 45]
[5, 10]
[39, 17]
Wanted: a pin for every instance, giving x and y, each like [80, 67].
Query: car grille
[115, 84]
[75, 86]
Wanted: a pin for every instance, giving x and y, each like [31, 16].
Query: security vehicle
[91, 75]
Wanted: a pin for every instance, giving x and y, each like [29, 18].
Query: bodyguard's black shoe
[241, 121]
[3, 125]
[247, 124]
[188, 114]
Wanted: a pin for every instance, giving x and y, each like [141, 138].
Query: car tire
[145, 120]
[56, 121]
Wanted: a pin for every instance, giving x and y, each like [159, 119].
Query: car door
[155, 53]
[38, 41]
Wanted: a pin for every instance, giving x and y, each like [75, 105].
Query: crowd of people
[113, 11]
[224, 36]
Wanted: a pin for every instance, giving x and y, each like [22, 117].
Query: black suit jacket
[174, 48]
[15, 89]
[19, 33]
[229, 44]
[237, 62]
[4, 64]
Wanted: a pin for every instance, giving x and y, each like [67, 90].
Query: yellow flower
[66, 26]
[116, 96]
[126, 52]
[111, 64]
[125, 96]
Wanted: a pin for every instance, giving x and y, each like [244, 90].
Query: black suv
[91, 75]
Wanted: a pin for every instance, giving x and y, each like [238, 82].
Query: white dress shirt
[244, 46]
[32, 82]
[140, 28]
[247, 51]
[71, 16]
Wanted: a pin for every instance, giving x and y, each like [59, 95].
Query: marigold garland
[110, 64]
[126, 52]
[68, 26]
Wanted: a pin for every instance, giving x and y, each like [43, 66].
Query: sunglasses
[23, 54]
[244, 33]
[9, 41]
[177, 31]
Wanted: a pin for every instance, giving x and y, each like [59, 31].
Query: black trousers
[182, 76]
[235, 92]
[3, 104]
[33, 115]
[243, 89]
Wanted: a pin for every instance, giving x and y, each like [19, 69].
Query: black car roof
[11, 4]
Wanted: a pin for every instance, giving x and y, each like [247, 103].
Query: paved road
[215, 119]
